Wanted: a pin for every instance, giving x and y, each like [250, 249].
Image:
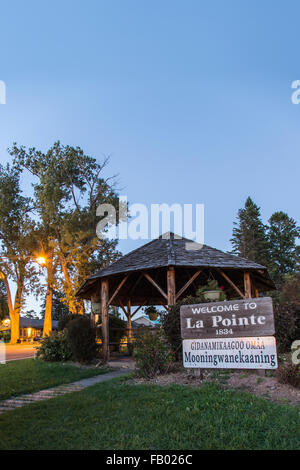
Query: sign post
[234, 334]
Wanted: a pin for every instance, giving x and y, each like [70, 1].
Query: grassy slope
[114, 415]
[29, 375]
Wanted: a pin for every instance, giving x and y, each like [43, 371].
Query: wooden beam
[105, 319]
[189, 282]
[247, 284]
[118, 289]
[122, 307]
[171, 285]
[155, 285]
[232, 284]
[138, 308]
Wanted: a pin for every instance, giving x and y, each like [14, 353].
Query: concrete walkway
[22, 400]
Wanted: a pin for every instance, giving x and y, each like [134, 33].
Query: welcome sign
[238, 353]
[247, 317]
[229, 335]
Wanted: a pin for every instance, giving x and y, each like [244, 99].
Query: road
[19, 351]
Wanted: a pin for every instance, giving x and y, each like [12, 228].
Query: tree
[59, 309]
[17, 243]
[68, 189]
[290, 289]
[283, 232]
[30, 314]
[249, 239]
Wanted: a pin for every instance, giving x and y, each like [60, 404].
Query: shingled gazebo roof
[171, 250]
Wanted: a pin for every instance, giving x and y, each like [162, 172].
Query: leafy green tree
[283, 232]
[17, 244]
[68, 189]
[249, 239]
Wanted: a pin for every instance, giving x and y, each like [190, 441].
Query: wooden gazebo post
[129, 325]
[247, 284]
[171, 285]
[105, 319]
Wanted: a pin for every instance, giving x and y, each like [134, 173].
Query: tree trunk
[14, 327]
[48, 312]
[68, 289]
[15, 317]
[49, 295]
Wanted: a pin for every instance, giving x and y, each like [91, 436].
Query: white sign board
[230, 353]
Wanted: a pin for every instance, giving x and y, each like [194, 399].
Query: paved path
[22, 400]
[15, 352]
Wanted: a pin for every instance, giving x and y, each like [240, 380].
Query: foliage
[283, 232]
[171, 325]
[210, 286]
[290, 289]
[289, 373]
[55, 347]
[82, 339]
[272, 245]
[152, 312]
[5, 336]
[30, 314]
[32, 375]
[121, 416]
[152, 353]
[287, 323]
[17, 243]
[65, 319]
[249, 238]
[68, 189]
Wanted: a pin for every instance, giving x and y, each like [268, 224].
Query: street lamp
[41, 260]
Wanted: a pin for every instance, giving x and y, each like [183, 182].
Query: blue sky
[191, 98]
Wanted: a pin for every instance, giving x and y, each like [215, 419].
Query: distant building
[30, 328]
[145, 321]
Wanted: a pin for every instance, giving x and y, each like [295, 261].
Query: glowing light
[41, 260]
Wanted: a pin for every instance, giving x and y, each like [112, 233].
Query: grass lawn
[115, 415]
[31, 375]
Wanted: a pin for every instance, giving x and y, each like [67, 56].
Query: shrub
[5, 336]
[64, 320]
[82, 339]
[152, 353]
[289, 374]
[171, 325]
[286, 325]
[55, 347]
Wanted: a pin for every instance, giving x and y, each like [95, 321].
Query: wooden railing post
[105, 320]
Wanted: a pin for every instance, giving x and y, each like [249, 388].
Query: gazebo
[166, 270]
